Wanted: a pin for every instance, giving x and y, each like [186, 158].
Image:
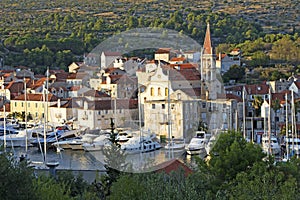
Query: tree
[275, 106]
[235, 72]
[257, 102]
[232, 154]
[265, 181]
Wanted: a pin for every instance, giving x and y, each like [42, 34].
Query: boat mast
[292, 121]
[169, 108]
[26, 137]
[4, 121]
[286, 128]
[244, 114]
[269, 123]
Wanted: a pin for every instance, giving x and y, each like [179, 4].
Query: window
[153, 106]
[36, 105]
[22, 104]
[152, 91]
[179, 96]
[163, 106]
[166, 91]
[28, 105]
[159, 92]
[15, 104]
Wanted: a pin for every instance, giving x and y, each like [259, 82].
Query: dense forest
[236, 169]
[42, 34]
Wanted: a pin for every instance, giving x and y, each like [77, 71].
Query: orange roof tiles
[35, 97]
[172, 165]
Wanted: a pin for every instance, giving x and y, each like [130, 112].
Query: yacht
[197, 143]
[97, 144]
[17, 138]
[175, 147]
[140, 144]
[293, 145]
[271, 144]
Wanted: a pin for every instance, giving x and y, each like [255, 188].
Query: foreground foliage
[235, 170]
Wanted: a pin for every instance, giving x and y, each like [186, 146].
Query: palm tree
[275, 106]
[257, 102]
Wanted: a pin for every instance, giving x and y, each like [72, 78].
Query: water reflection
[81, 160]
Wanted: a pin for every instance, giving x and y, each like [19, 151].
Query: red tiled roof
[232, 96]
[110, 104]
[172, 166]
[75, 88]
[15, 87]
[95, 93]
[79, 75]
[35, 97]
[163, 50]
[257, 89]
[7, 108]
[174, 59]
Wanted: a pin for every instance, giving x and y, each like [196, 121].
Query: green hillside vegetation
[46, 33]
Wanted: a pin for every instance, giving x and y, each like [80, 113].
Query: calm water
[81, 160]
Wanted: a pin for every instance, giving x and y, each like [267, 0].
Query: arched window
[166, 91]
[152, 91]
[159, 92]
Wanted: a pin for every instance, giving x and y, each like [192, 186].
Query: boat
[293, 146]
[123, 136]
[55, 136]
[197, 143]
[270, 143]
[173, 147]
[140, 145]
[97, 144]
[17, 138]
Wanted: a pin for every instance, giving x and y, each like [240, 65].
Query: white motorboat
[123, 136]
[75, 143]
[18, 138]
[293, 145]
[271, 144]
[173, 147]
[97, 144]
[140, 145]
[197, 143]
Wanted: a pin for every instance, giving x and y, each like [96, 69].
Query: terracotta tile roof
[35, 97]
[232, 96]
[163, 50]
[110, 104]
[185, 65]
[95, 93]
[177, 59]
[172, 165]
[74, 88]
[257, 89]
[192, 91]
[70, 103]
[79, 75]
[7, 108]
[297, 84]
[39, 83]
[15, 87]
[188, 74]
